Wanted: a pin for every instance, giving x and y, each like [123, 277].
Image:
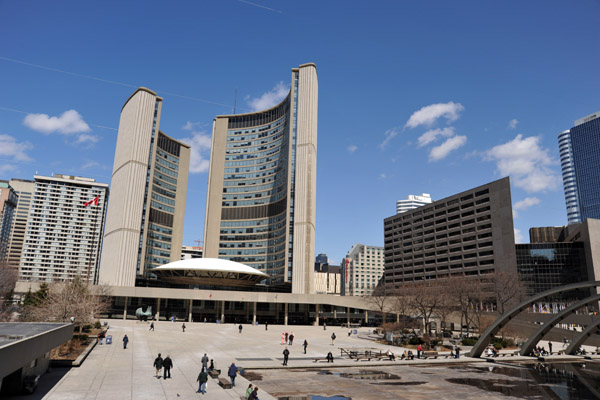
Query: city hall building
[261, 199]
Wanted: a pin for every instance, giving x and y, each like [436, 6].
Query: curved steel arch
[555, 319]
[586, 333]
[490, 332]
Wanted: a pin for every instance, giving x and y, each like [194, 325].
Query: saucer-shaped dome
[209, 271]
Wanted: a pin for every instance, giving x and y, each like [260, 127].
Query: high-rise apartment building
[362, 268]
[24, 189]
[580, 162]
[144, 224]
[189, 252]
[64, 229]
[261, 199]
[467, 234]
[412, 201]
[8, 205]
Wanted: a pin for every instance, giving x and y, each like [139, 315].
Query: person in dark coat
[266, 325]
[457, 352]
[183, 327]
[151, 326]
[211, 366]
[167, 365]
[158, 364]
[204, 362]
[305, 345]
[333, 338]
[329, 357]
[286, 354]
[125, 341]
[232, 372]
[254, 394]
[202, 379]
[240, 328]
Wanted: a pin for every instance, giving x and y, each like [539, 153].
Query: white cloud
[433, 134]
[352, 148]
[87, 139]
[528, 164]
[524, 204]
[9, 147]
[200, 143]
[269, 99]
[451, 144]
[6, 168]
[431, 113]
[68, 123]
[389, 135]
[382, 176]
[513, 123]
[519, 236]
[190, 126]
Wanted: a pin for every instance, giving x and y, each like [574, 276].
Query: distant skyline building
[64, 229]
[580, 162]
[144, 225]
[468, 234]
[261, 198]
[362, 268]
[412, 201]
[24, 189]
[8, 205]
[189, 252]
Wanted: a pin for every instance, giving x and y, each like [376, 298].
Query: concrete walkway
[111, 372]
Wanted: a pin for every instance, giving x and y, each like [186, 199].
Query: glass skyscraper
[261, 196]
[580, 163]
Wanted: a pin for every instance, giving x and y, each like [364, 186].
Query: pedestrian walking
[550, 347]
[232, 372]
[204, 361]
[125, 341]
[183, 327]
[324, 326]
[151, 326]
[167, 365]
[329, 357]
[101, 336]
[291, 338]
[249, 391]
[158, 364]
[305, 345]
[202, 379]
[240, 328]
[266, 325]
[254, 394]
[333, 338]
[286, 354]
[282, 338]
[419, 351]
[286, 337]
[457, 352]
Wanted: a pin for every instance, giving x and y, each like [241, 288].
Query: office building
[144, 224]
[8, 205]
[327, 277]
[580, 162]
[467, 234]
[24, 189]
[261, 199]
[362, 268]
[412, 201]
[64, 229]
[189, 252]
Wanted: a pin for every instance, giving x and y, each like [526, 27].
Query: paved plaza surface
[111, 372]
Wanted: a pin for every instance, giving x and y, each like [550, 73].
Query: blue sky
[428, 96]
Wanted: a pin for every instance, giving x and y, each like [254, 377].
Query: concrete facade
[64, 236]
[8, 205]
[467, 234]
[261, 196]
[24, 189]
[144, 227]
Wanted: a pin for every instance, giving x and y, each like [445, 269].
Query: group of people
[203, 376]
[163, 364]
[287, 338]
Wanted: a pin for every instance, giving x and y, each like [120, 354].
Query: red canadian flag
[94, 200]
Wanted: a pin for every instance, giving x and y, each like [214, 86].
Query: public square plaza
[110, 372]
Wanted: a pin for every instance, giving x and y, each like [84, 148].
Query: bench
[214, 373]
[224, 383]
[320, 359]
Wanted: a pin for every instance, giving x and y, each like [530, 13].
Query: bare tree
[507, 289]
[424, 300]
[380, 300]
[467, 294]
[75, 301]
[8, 279]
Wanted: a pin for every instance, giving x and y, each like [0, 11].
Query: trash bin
[109, 339]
